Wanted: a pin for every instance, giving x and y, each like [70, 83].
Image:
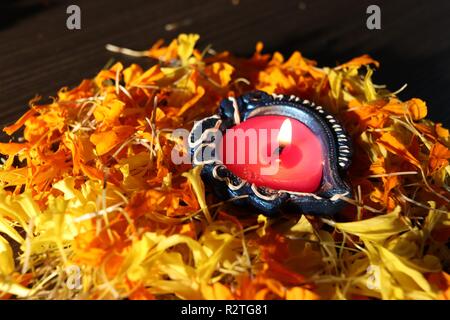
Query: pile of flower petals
[92, 207]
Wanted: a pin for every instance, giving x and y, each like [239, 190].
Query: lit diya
[280, 151]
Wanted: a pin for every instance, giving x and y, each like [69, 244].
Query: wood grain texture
[39, 55]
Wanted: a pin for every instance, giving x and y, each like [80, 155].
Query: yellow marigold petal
[186, 44]
[375, 229]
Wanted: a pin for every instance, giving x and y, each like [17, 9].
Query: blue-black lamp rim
[333, 191]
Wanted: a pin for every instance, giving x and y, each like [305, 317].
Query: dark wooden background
[38, 54]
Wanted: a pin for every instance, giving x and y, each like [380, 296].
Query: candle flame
[285, 135]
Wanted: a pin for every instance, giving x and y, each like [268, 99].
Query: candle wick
[277, 152]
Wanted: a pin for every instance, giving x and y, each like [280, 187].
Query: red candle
[274, 151]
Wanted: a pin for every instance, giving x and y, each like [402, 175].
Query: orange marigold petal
[417, 108]
[392, 144]
[359, 61]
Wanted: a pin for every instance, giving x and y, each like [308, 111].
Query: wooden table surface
[39, 55]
